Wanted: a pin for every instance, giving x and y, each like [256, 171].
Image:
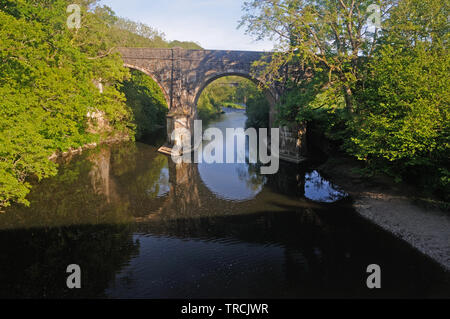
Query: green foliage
[123, 32]
[232, 105]
[397, 80]
[235, 92]
[47, 89]
[206, 110]
[405, 115]
[328, 35]
[257, 111]
[403, 126]
[258, 107]
[48, 78]
[219, 93]
[310, 103]
[147, 101]
[185, 45]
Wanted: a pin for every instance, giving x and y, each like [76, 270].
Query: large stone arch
[183, 74]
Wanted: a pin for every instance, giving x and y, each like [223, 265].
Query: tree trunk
[348, 95]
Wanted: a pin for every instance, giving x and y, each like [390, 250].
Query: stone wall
[293, 146]
[183, 74]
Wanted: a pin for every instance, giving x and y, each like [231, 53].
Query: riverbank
[74, 151]
[397, 208]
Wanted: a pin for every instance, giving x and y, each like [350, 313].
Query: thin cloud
[211, 23]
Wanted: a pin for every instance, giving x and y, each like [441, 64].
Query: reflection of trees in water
[184, 193]
[144, 181]
[123, 158]
[321, 189]
[109, 185]
[289, 180]
[79, 216]
[142, 172]
[112, 186]
[130, 175]
[82, 193]
[249, 174]
[100, 174]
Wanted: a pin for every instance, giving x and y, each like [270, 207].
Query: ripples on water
[142, 227]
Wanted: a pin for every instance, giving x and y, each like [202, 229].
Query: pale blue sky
[211, 23]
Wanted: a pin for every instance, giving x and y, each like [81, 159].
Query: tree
[394, 80]
[404, 127]
[147, 101]
[330, 36]
[47, 89]
[48, 77]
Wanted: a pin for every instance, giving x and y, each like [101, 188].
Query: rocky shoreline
[75, 151]
[395, 208]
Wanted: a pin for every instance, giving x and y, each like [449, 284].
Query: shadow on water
[141, 226]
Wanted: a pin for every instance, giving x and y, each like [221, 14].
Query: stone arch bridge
[183, 74]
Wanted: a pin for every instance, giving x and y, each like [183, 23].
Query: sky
[211, 23]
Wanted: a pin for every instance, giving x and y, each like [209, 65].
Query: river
[141, 226]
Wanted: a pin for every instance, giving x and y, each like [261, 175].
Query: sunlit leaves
[46, 90]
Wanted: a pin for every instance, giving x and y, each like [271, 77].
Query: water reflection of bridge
[184, 194]
[189, 196]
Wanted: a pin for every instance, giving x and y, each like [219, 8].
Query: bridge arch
[183, 74]
[153, 77]
[270, 96]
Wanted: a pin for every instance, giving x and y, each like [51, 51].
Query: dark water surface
[141, 226]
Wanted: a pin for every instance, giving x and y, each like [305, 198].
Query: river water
[141, 226]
